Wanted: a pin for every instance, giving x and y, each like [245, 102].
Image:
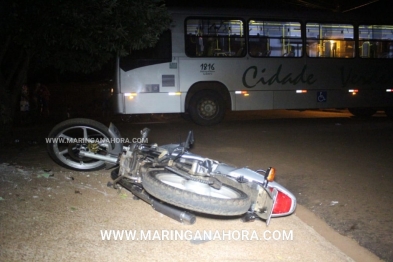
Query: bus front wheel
[206, 108]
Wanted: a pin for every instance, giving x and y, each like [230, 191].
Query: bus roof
[285, 14]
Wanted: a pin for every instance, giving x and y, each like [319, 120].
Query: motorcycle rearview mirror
[145, 133]
[189, 140]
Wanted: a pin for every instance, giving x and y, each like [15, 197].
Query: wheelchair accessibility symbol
[321, 96]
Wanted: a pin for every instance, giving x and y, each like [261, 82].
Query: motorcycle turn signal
[270, 174]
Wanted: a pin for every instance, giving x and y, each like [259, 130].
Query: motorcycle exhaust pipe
[177, 214]
[170, 211]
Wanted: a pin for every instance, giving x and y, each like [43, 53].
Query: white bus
[210, 61]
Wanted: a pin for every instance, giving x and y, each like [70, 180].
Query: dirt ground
[48, 213]
[60, 218]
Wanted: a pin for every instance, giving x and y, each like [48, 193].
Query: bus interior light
[301, 91]
[389, 90]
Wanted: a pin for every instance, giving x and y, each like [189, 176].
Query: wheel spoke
[62, 135]
[85, 137]
[63, 152]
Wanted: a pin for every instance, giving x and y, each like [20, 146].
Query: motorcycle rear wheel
[229, 200]
[68, 138]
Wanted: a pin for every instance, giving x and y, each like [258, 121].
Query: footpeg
[249, 217]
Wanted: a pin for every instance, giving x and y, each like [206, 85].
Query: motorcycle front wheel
[229, 200]
[68, 138]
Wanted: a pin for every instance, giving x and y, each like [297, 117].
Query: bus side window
[191, 45]
[375, 41]
[258, 46]
[330, 40]
[208, 37]
[390, 50]
[312, 49]
[274, 39]
[239, 47]
[210, 46]
[384, 49]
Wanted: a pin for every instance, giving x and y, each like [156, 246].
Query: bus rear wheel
[206, 108]
[362, 112]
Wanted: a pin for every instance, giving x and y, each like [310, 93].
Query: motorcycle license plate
[265, 203]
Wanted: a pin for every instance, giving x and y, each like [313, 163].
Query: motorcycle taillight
[283, 203]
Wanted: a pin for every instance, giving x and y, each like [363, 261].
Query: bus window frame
[316, 39]
[299, 39]
[225, 18]
[362, 41]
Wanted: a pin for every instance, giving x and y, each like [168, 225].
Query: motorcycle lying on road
[171, 179]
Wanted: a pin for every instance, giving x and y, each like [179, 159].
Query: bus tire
[206, 108]
[230, 200]
[362, 112]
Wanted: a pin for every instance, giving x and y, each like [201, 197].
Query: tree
[70, 35]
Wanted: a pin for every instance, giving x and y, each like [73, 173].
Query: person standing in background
[41, 99]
